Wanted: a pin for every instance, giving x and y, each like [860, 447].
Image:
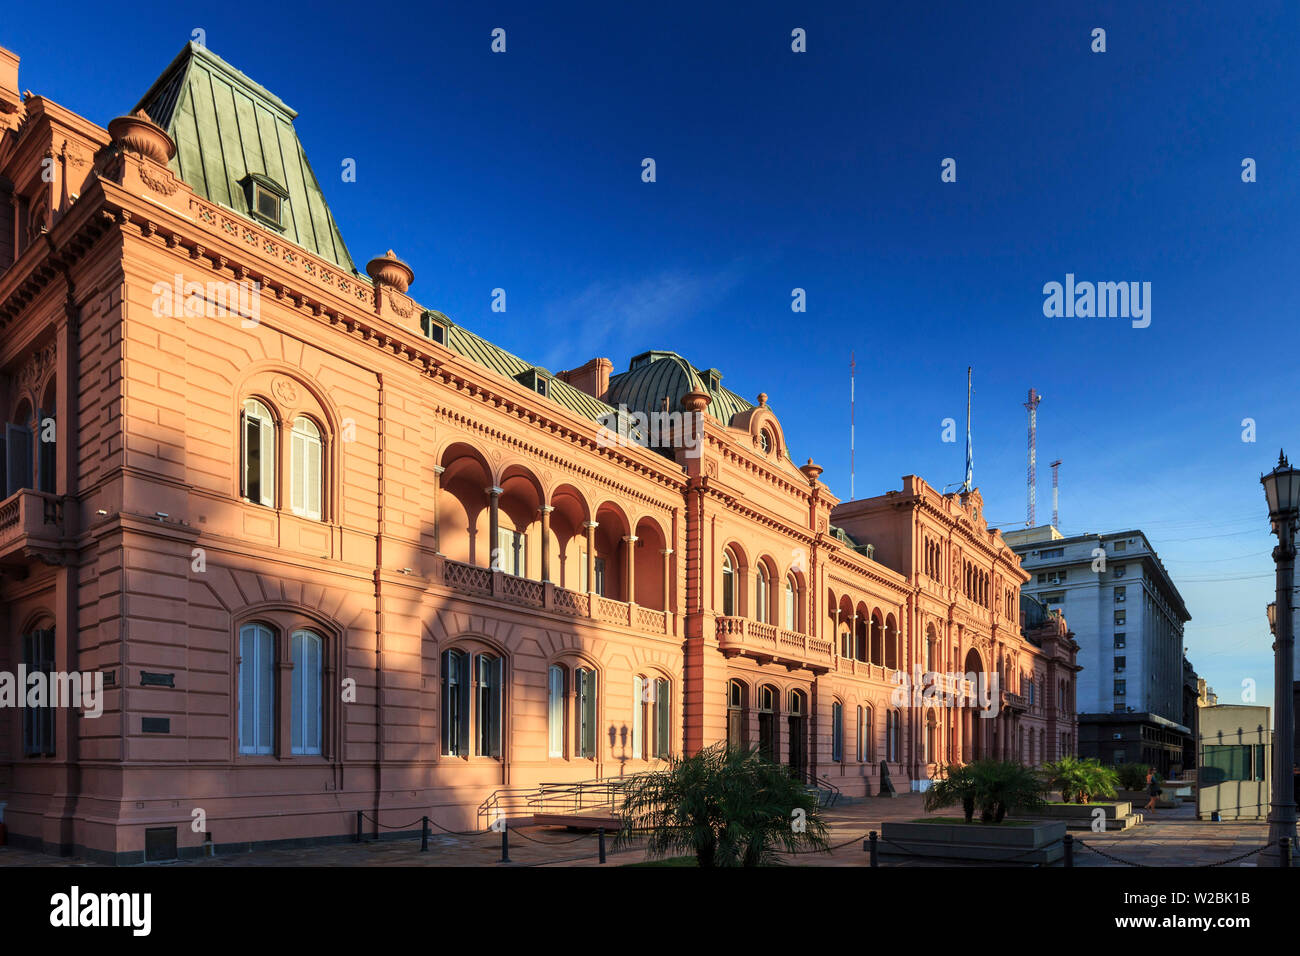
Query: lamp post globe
[1282, 491]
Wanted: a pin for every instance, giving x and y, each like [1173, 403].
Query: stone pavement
[1167, 838]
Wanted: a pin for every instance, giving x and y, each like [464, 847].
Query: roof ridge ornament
[139, 134]
[388, 270]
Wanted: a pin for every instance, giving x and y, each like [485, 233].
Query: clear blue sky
[821, 171]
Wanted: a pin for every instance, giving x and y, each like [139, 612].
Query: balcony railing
[757, 639]
[29, 519]
[525, 592]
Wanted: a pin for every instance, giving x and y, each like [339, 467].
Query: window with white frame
[305, 469]
[585, 693]
[512, 555]
[791, 599]
[728, 584]
[762, 595]
[555, 711]
[308, 679]
[662, 718]
[256, 689]
[257, 453]
[640, 696]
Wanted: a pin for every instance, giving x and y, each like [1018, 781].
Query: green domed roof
[653, 376]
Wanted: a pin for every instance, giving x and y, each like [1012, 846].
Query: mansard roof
[227, 128]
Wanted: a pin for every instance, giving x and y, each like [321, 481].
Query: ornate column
[630, 540]
[591, 527]
[668, 578]
[494, 526]
[437, 493]
[546, 542]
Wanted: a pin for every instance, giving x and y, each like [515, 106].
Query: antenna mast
[970, 462]
[1056, 494]
[853, 399]
[1032, 407]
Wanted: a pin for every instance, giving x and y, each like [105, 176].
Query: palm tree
[726, 806]
[1081, 780]
[995, 787]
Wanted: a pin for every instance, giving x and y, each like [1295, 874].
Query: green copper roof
[479, 350]
[227, 127]
[656, 375]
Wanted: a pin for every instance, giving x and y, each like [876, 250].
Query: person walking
[1153, 791]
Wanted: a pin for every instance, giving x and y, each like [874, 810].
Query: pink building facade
[332, 552]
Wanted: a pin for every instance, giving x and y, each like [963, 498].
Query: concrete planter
[1118, 815]
[1036, 842]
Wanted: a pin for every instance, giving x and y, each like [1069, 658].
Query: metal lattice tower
[1056, 494]
[1032, 407]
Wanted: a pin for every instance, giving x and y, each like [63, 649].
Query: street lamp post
[1282, 489]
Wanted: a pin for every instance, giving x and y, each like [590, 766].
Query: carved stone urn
[139, 134]
[390, 271]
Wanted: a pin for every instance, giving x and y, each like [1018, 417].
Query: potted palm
[1080, 781]
[725, 806]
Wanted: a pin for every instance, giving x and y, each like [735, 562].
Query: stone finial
[696, 400]
[811, 470]
[390, 271]
[762, 399]
[139, 134]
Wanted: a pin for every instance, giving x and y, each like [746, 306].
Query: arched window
[38, 721]
[837, 732]
[555, 711]
[256, 689]
[17, 460]
[737, 732]
[308, 679]
[762, 595]
[455, 703]
[662, 719]
[868, 732]
[640, 696]
[305, 474]
[585, 693]
[728, 584]
[893, 722]
[791, 597]
[257, 453]
[488, 678]
[767, 723]
[860, 726]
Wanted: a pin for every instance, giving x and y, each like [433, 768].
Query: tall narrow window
[736, 731]
[555, 711]
[662, 719]
[767, 724]
[305, 472]
[600, 576]
[638, 717]
[455, 703]
[762, 595]
[860, 725]
[728, 585]
[257, 470]
[790, 606]
[868, 735]
[307, 680]
[256, 689]
[38, 722]
[585, 687]
[488, 715]
[18, 455]
[837, 732]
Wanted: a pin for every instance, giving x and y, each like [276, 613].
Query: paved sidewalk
[1167, 838]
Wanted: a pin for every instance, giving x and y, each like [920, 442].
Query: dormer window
[266, 199]
[537, 379]
[434, 326]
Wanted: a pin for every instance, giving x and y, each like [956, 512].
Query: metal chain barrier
[1231, 859]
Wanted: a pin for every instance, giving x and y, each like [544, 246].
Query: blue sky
[821, 171]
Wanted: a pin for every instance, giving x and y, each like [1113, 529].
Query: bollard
[1284, 852]
[600, 837]
[1069, 850]
[871, 840]
[424, 834]
[358, 839]
[505, 845]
